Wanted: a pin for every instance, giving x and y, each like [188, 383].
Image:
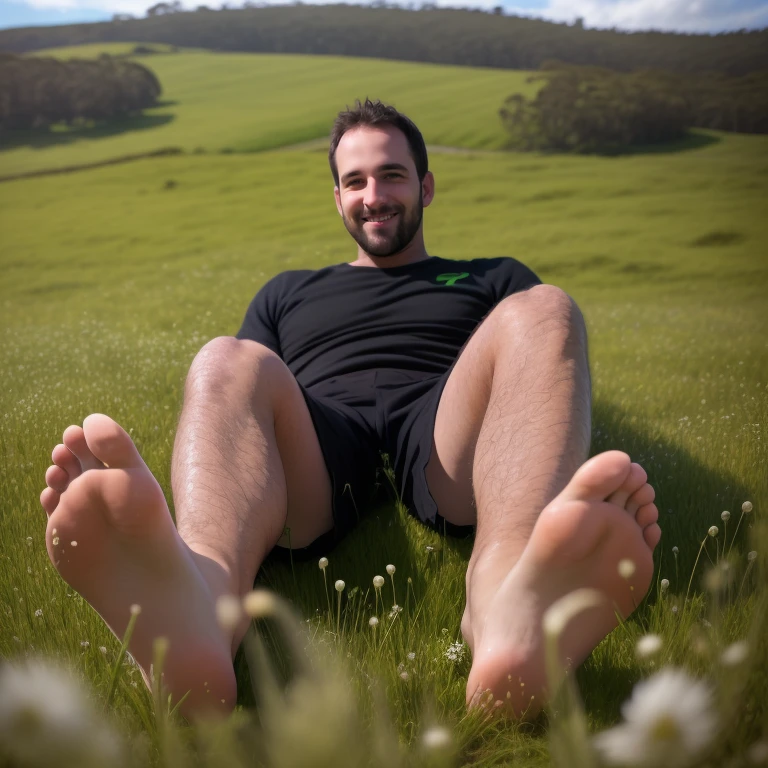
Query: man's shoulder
[492, 265]
[291, 278]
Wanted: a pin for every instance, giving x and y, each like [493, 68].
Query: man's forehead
[376, 145]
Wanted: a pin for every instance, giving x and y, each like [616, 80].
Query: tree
[162, 9]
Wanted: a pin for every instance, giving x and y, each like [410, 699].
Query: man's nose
[374, 194]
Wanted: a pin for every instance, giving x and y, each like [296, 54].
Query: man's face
[379, 195]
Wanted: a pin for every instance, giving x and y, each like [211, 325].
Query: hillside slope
[461, 37]
[249, 102]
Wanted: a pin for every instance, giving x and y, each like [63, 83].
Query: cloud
[135, 7]
[678, 15]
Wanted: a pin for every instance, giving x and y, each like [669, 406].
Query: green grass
[114, 278]
[248, 102]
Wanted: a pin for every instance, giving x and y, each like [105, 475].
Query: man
[471, 374]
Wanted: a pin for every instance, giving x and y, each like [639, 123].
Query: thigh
[459, 418]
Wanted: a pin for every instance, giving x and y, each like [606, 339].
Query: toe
[74, 439]
[64, 458]
[634, 481]
[647, 515]
[640, 498]
[110, 442]
[57, 478]
[50, 500]
[652, 535]
[598, 478]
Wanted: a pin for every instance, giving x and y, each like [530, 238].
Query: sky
[674, 15]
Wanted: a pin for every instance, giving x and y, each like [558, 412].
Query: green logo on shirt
[449, 278]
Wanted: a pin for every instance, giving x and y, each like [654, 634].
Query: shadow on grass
[689, 496]
[61, 136]
[692, 140]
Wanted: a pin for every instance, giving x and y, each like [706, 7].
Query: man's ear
[428, 188]
[337, 197]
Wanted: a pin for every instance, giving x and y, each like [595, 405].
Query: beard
[381, 246]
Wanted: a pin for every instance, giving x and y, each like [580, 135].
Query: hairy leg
[246, 463]
[512, 428]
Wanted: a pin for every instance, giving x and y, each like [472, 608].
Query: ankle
[219, 574]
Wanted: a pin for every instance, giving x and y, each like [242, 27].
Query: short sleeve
[261, 319]
[513, 277]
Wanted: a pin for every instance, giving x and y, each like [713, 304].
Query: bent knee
[542, 306]
[227, 363]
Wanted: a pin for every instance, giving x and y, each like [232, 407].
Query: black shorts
[357, 418]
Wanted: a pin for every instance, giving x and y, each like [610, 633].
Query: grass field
[113, 279]
[218, 102]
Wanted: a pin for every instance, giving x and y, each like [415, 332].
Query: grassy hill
[216, 102]
[114, 278]
[466, 37]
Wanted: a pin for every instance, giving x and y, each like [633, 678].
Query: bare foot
[604, 515]
[111, 537]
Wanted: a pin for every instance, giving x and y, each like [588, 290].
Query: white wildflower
[735, 654]
[757, 754]
[373, 622]
[394, 611]
[627, 568]
[103, 649]
[436, 739]
[85, 644]
[229, 612]
[669, 721]
[455, 652]
[746, 507]
[340, 585]
[47, 719]
[322, 563]
[563, 610]
[39, 612]
[378, 582]
[410, 656]
[391, 569]
[664, 585]
[752, 555]
[713, 531]
[725, 516]
[675, 550]
[648, 645]
[259, 603]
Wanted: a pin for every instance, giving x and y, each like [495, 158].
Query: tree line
[431, 34]
[39, 92]
[593, 109]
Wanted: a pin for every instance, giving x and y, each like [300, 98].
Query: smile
[379, 219]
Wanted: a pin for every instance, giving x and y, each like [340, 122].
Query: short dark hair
[375, 114]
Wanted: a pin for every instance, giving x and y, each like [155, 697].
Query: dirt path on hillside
[312, 145]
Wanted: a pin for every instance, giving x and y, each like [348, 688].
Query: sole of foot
[605, 515]
[111, 537]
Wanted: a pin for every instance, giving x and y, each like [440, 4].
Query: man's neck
[411, 254]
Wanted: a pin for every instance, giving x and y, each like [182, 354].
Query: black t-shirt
[343, 319]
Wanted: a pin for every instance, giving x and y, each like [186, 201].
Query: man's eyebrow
[386, 167]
